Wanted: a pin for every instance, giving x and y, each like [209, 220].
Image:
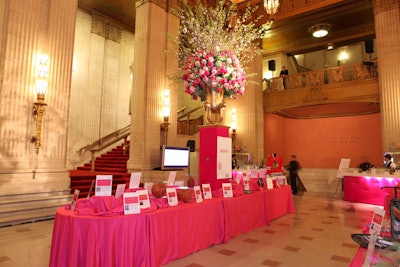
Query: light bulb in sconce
[234, 120]
[42, 75]
[166, 104]
[343, 57]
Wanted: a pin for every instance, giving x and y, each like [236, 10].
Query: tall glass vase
[214, 106]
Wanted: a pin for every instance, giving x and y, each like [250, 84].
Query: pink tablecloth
[381, 258]
[157, 237]
[181, 230]
[367, 189]
[244, 213]
[97, 241]
[358, 259]
[278, 202]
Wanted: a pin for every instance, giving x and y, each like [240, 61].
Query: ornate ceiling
[351, 21]
[122, 11]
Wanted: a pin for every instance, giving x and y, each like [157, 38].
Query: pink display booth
[208, 155]
[368, 188]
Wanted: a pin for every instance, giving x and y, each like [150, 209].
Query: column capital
[165, 4]
[383, 5]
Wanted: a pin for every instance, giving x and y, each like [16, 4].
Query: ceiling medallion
[271, 6]
[320, 30]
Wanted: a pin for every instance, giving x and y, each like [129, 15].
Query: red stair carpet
[111, 163]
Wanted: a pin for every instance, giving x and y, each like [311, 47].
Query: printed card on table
[280, 180]
[74, 199]
[246, 183]
[374, 231]
[262, 172]
[135, 180]
[148, 186]
[207, 191]
[103, 185]
[131, 203]
[172, 196]
[377, 219]
[238, 177]
[227, 189]
[120, 190]
[171, 178]
[91, 189]
[144, 200]
[197, 194]
[253, 173]
[270, 184]
[179, 183]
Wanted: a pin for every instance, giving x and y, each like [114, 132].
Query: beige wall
[31, 28]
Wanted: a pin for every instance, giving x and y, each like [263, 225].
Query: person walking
[294, 167]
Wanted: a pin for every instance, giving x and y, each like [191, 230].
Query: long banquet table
[178, 231]
[244, 213]
[278, 202]
[83, 241]
[158, 237]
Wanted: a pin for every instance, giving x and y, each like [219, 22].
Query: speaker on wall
[191, 144]
[369, 46]
[271, 65]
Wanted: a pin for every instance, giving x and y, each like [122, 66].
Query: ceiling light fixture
[271, 6]
[320, 30]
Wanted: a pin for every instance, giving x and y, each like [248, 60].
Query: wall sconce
[234, 127]
[42, 74]
[166, 113]
[343, 56]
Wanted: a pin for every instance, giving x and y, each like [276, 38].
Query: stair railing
[187, 115]
[105, 142]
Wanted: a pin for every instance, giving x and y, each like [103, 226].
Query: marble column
[151, 68]
[387, 28]
[250, 116]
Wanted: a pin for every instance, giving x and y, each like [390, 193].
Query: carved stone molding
[383, 5]
[161, 3]
[165, 4]
[356, 91]
[105, 28]
[315, 95]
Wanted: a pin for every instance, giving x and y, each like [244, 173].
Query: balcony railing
[314, 78]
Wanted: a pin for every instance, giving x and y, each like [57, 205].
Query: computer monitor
[175, 158]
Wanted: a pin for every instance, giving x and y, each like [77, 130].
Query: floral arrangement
[214, 42]
[219, 70]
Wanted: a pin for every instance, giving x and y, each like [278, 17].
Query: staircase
[112, 163]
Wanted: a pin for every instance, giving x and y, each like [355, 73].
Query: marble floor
[318, 234]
